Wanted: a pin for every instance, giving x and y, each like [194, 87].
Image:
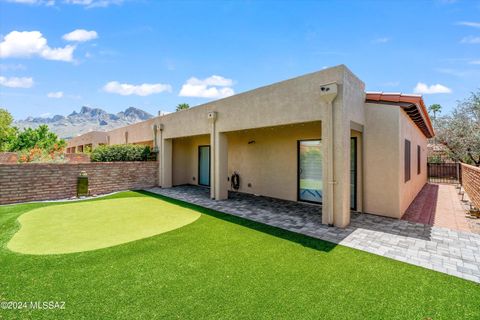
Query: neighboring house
[86, 141]
[317, 138]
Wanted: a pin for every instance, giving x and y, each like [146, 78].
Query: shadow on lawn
[301, 239]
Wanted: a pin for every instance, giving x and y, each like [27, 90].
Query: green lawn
[224, 267]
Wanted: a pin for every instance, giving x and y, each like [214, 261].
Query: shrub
[38, 155]
[120, 152]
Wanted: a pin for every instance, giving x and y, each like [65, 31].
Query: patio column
[335, 158]
[221, 166]
[166, 163]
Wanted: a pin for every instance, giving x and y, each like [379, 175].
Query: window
[419, 161]
[407, 160]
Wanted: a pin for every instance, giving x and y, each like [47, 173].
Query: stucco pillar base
[166, 164]
[221, 166]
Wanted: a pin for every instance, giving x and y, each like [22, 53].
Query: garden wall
[471, 183]
[32, 182]
[8, 157]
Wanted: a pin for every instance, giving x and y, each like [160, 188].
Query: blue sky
[156, 54]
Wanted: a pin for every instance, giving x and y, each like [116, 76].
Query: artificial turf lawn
[222, 266]
[86, 225]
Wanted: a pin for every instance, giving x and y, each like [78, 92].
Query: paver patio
[453, 252]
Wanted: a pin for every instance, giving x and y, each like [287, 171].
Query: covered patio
[436, 248]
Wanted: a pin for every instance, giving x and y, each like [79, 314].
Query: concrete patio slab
[453, 252]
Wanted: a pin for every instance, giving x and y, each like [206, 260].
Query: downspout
[212, 117]
[328, 94]
[160, 155]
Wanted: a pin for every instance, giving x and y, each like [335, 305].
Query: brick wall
[8, 157]
[77, 157]
[471, 183]
[31, 182]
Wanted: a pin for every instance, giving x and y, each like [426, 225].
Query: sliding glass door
[310, 183]
[204, 165]
[310, 171]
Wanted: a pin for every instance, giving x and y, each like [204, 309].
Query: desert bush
[39, 155]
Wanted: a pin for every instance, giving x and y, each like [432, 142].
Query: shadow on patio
[294, 216]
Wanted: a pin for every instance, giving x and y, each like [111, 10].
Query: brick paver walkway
[440, 249]
[439, 205]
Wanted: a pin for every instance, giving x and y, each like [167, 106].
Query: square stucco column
[335, 158]
[221, 166]
[166, 163]
[341, 155]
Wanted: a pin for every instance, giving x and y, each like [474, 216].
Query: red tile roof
[412, 104]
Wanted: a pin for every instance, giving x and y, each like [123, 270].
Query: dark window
[419, 161]
[407, 160]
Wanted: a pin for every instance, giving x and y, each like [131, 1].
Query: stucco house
[318, 138]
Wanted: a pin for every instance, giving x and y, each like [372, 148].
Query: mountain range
[88, 119]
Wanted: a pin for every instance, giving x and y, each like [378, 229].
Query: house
[317, 138]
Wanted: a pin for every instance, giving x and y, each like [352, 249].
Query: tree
[460, 131]
[40, 137]
[182, 106]
[7, 132]
[435, 108]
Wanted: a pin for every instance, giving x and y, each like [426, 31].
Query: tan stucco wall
[386, 192]
[410, 189]
[185, 159]
[270, 163]
[94, 138]
[381, 160]
[138, 132]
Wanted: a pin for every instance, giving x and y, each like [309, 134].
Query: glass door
[310, 171]
[204, 165]
[353, 173]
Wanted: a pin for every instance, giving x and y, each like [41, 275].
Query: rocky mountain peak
[87, 119]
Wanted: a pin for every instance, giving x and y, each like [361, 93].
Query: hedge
[120, 152]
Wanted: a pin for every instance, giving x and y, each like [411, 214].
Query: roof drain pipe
[212, 118]
[328, 93]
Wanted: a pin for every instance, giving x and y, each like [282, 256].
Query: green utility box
[82, 184]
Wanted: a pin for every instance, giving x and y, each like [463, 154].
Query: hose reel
[235, 181]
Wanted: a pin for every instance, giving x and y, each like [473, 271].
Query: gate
[444, 172]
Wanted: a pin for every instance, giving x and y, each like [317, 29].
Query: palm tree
[435, 108]
[182, 106]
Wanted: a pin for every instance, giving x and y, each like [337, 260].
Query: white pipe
[330, 164]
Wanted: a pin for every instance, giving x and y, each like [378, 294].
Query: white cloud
[145, 89]
[475, 62]
[211, 87]
[85, 3]
[80, 35]
[94, 3]
[24, 44]
[381, 40]
[55, 95]
[469, 24]
[470, 40]
[423, 88]
[34, 2]
[15, 82]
